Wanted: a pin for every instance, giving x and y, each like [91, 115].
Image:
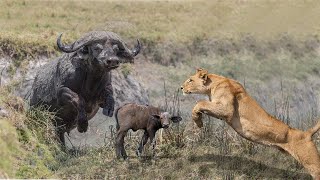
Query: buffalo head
[101, 49]
[164, 118]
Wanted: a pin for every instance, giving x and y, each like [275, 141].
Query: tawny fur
[230, 102]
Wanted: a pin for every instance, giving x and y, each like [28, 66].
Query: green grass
[28, 146]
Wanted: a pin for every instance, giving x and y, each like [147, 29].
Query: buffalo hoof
[83, 126]
[107, 112]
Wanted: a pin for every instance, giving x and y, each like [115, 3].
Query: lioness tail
[314, 129]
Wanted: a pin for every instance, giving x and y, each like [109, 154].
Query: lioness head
[196, 84]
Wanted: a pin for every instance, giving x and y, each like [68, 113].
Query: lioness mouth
[186, 93]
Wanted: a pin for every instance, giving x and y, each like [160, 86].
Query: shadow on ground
[242, 165]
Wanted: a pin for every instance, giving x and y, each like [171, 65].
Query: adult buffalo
[78, 82]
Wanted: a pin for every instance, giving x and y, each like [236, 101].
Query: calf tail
[116, 117]
[314, 129]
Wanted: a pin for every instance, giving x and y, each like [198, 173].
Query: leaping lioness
[230, 102]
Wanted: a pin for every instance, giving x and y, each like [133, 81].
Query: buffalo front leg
[143, 142]
[120, 151]
[74, 104]
[107, 98]
[214, 108]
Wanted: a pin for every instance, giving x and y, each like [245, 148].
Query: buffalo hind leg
[143, 142]
[66, 97]
[60, 136]
[120, 151]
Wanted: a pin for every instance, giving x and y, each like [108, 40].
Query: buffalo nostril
[165, 125]
[114, 62]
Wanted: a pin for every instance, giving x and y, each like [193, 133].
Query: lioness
[229, 101]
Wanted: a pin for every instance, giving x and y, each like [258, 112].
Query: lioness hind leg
[307, 154]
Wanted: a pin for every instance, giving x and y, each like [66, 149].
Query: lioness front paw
[197, 118]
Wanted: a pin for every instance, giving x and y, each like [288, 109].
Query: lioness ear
[199, 69]
[203, 74]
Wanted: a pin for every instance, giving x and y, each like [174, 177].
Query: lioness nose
[181, 87]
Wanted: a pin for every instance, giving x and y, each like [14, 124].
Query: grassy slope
[36, 24]
[27, 146]
[30, 28]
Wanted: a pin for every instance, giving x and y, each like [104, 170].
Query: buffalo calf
[146, 117]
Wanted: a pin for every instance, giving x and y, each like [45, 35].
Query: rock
[3, 112]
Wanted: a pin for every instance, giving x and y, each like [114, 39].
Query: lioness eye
[190, 80]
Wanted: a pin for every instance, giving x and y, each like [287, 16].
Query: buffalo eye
[98, 47]
[115, 48]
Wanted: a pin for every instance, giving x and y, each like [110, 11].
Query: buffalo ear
[84, 50]
[176, 119]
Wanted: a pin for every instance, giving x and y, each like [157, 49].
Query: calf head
[164, 118]
[100, 49]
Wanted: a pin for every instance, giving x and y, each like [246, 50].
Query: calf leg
[152, 134]
[143, 142]
[66, 97]
[120, 151]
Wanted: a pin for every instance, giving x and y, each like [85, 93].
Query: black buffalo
[78, 82]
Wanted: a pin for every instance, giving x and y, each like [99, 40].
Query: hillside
[271, 47]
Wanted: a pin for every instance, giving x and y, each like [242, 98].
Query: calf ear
[176, 119]
[155, 116]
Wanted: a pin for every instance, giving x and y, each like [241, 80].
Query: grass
[25, 32]
[271, 48]
[30, 151]
[28, 145]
